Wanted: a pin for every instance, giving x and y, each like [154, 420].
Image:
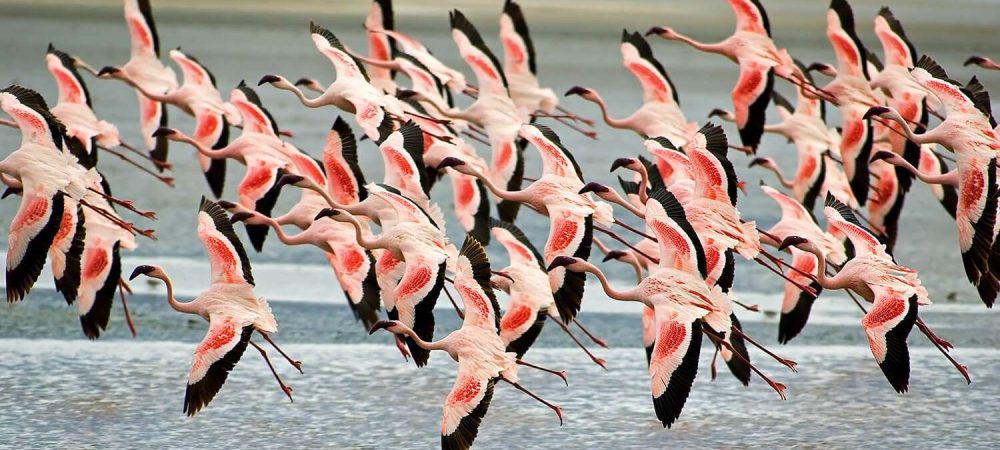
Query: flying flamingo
[417, 245]
[261, 150]
[556, 195]
[476, 346]
[894, 290]
[967, 130]
[200, 97]
[351, 92]
[796, 220]
[145, 69]
[752, 48]
[229, 305]
[853, 93]
[681, 301]
[982, 61]
[531, 299]
[660, 113]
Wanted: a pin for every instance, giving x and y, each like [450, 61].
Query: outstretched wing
[472, 282]
[638, 59]
[214, 358]
[519, 52]
[556, 159]
[673, 363]
[344, 178]
[715, 177]
[751, 16]
[466, 406]
[256, 118]
[72, 89]
[790, 208]
[679, 246]
[226, 255]
[887, 325]
[750, 97]
[570, 234]
[31, 234]
[141, 28]
[519, 248]
[852, 58]
[328, 44]
[896, 47]
[403, 158]
[489, 72]
[840, 217]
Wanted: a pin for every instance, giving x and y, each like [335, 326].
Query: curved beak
[290, 178]
[718, 112]
[576, 90]
[326, 212]
[560, 261]
[225, 204]
[164, 131]
[450, 162]
[621, 162]
[875, 111]
[140, 270]
[268, 79]
[107, 70]
[613, 254]
[502, 274]
[974, 60]
[303, 81]
[881, 155]
[790, 241]
[240, 216]
[382, 324]
[594, 187]
[655, 30]
[758, 162]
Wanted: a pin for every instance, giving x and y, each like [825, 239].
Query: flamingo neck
[310, 102]
[184, 307]
[718, 48]
[432, 345]
[200, 147]
[360, 237]
[785, 182]
[611, 121]
[627, 296]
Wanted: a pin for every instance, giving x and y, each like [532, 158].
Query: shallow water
[59, 391]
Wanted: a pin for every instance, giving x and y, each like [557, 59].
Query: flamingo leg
[475, 138]
[295, 363]
[634, 230]
[562, 119]
[715, 357]
[128, 317]
[558, 373]
[555, 408]
[754, 307]
[778, 387]
[284, 387]
[575, 117]
[784, 361]
[590, 335]
[598, 361]
[127, 204]
[806, 289]
[169, 181]
[401, 345]
[159, 164]
[618, 238]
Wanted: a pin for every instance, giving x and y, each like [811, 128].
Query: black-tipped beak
[758, 162]
[718, 112]
[450, 162]
[107, 70]
[10, 191]
[818, 67]
[140, 270]
[881, 155]
[560, 261]
[164, 131]
[655, 30]
[791, 241]
[289, 179]
[594, 187]
[974, 60]
[875, 111]
[302, 81]
[240, 216]
[382, 324]
[225, 204]
[326, 212]
[268, 79]
[576, 90]
[621, 162]
[613, 254]
[404, 94]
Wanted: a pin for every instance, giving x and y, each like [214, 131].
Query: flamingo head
[882, 155]
[149, 271]
[167, 132]
[586, 93]
[309, 83]
[879, 111]
[975, 59]
[628, 163]
[501, 280]
[719, 112]
[596, 188]
[274, 80]
[454, 163]
[292, 179]
[394, 326]
[762, 161]
[792, 241]
[663, 32]
[110, 72]
[250, 217]
[617, 255]
[328, 212]
[822, 68]
[569, 262]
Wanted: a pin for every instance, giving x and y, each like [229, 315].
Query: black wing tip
[468, 426]
[669, 405]
[199, 394]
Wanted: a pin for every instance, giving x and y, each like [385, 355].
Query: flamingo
[681, 301]
[894, 290]
[476, 346]
[411, 300]
[798, 221]
[853, 93]
[145, 70]
[408, 45]
[660, 113]
[753, 49]
[982, 61]
[520, 67]
[967, 130]
[351, 92]
[230, 307]
[261, 150]
[199, 96]
[531, 299]
[556, 195]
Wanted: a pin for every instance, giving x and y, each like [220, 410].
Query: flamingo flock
[386, 241]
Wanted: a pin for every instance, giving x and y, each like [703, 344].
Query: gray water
[57, 390]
